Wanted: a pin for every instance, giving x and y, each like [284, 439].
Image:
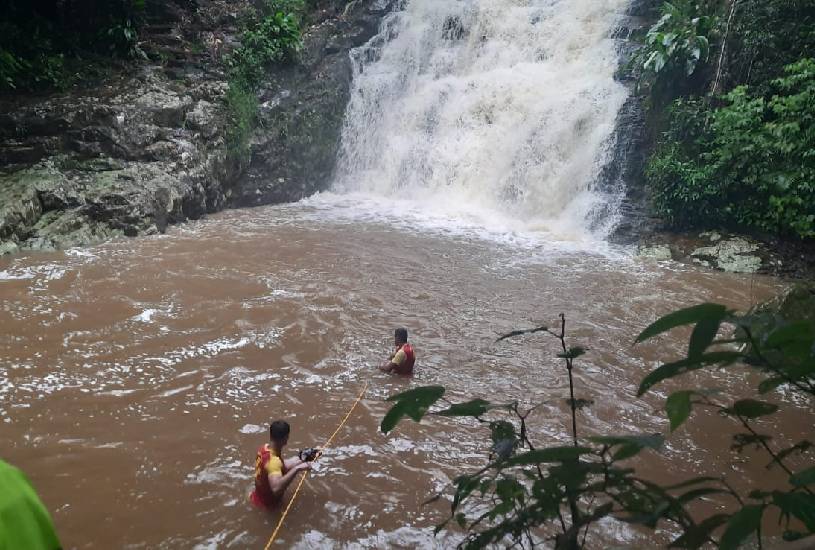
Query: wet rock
[58, 230]
[734, 255]
[731, 252]
[162, 107]
[202, 118]
[302, 111]
[8, 247]
[148, 149]
[453, 28]
[20, 206]
[655, 252]
[797, 304]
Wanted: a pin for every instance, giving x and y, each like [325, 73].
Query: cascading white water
[496, 109]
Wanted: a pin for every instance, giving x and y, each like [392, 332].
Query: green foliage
[10, 68]
[741, 160]
[122, 40]
[413, 403]
[750, 163]
[242, 106]
[269, 37]
[43, 43]
[272, 37]
[678, 45]
[24, 520]
[767, 35]
[525, 490]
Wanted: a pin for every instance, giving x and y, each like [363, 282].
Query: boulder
[734, 255]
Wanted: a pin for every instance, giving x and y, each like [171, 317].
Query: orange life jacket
[410, 359]
[263, 495]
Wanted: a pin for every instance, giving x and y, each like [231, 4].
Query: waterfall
[503, 107]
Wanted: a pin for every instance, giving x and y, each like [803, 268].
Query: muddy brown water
[137, 378]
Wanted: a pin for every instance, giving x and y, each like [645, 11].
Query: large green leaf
[670, 370]
[551, 454]
[653, 441]
[740, 526]
[751, 408]
[743, 440]
[630, 445]
[795, 341]
[803, 478]
[678, 407]
[412, 403]
[696, 536]
[509, 489]
[703, 334]
[687, 316]
[24, 521]
[770, 384]
[691, 482]
[476, 407]
[572, 352]
[464, 486]
[797, 504]
[799, 331]
[515, 333]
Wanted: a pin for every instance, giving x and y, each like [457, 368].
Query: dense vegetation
[732, 89]
[269, 35]
[44, 42]
[526, 494]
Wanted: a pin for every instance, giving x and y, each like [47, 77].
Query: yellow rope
[319, 454]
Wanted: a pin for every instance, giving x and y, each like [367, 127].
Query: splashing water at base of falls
[493, 112]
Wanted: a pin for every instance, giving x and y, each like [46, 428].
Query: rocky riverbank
[147, 148]
[732, 252]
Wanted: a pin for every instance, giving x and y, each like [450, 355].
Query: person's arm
[279, 483]
[394, 362]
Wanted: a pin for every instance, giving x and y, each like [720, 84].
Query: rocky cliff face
[624, 169]
[148, 149]
[302, 111]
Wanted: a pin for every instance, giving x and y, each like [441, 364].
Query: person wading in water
[273, 474]
[402, 360]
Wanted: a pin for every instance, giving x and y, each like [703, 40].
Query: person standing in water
[402, 360]
[273, 474]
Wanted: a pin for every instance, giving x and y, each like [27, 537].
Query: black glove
[308, 455]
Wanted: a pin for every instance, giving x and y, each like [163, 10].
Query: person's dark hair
[401, 335]
[279, 430]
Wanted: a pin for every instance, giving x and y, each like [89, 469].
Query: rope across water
[319, 454]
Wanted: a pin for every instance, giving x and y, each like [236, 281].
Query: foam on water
[470, 222]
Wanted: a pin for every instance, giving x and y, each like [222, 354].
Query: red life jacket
[263, 496]
[410, 359]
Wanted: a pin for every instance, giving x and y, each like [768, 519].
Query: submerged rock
[655, 252]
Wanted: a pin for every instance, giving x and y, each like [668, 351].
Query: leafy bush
[122, 40]
[271, 37]
[268, 39]
[767, 35]
[677, 45]
[39, 40]
[10, 68]
[24, 520]
[749, 163]
[525, 493]
[242, 106]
